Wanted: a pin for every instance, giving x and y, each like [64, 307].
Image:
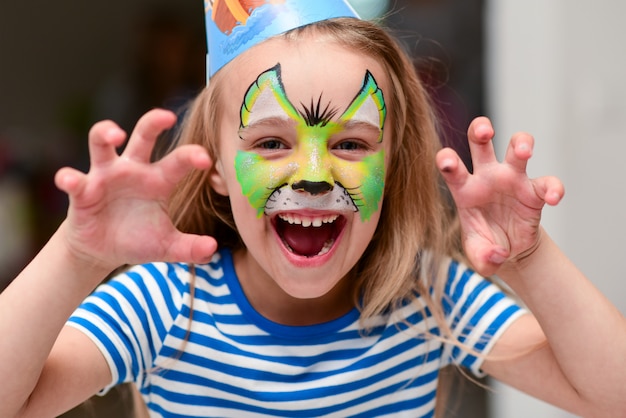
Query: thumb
[191, 248]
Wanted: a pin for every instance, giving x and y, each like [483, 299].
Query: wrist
[524, 263]
[526, 257]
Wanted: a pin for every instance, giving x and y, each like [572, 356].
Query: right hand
[117, 213]
[499, 205]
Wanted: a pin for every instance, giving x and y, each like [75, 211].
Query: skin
[51, 368]
[313, 289]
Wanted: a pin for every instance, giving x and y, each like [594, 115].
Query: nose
[312, 187]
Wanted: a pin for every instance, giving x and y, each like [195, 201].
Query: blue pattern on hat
[269, 19]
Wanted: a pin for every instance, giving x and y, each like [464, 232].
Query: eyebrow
[277, 122]
[274, 121]
[350, 124]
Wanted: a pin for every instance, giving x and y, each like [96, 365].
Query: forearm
[586, 333]
[33, 310]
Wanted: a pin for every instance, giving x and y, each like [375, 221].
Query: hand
[499, 206]
[117, 213]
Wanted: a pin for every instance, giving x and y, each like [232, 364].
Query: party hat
[234, 26]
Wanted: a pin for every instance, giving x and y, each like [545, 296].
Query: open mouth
[309, 236]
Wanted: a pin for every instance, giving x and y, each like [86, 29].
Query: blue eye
[349, 146]
[272, 144]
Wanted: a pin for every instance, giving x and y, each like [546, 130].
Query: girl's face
[302, 157]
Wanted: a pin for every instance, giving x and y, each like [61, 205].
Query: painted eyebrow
[277, 122]
[360, 124]
[274, 122]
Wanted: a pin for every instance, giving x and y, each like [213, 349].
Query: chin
[307, 287]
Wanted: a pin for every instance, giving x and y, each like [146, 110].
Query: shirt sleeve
[129, 317]
[478, 312]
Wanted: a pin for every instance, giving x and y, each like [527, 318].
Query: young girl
[295, 255]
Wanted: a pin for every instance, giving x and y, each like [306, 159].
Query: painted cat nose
[312, 187]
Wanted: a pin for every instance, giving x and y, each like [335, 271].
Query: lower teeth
[326, 248]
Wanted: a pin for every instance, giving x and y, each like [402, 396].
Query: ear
[217, 179]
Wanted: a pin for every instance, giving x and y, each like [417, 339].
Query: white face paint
[266, 107]
[337, 200]
[369, 113]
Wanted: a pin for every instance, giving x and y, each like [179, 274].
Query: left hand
[499, 206]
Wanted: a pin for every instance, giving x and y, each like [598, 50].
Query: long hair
[417, 226]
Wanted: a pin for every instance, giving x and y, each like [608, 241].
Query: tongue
[307, 241]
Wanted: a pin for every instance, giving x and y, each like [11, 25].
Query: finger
[550, 189]
[180, 161]
[519, 151]
[480, 135]
[492, 259]
[487, 259]
[146, 132]
[190, 248]
[451, 168]
[70, 181]
[104, 138]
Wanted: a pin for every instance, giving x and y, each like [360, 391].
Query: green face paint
[311, 159]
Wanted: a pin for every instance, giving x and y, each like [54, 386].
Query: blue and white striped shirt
[236, 363]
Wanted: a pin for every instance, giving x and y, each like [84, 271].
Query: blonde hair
[417, 225]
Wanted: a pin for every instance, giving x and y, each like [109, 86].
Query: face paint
[264, 180]
[368, 106]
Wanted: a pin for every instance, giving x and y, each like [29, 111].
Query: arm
[33, 310]
[116, 216]
[582, 366]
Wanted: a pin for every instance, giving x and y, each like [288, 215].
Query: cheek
[258, 178]
[250, 174]
[246, 216]
[365, 181]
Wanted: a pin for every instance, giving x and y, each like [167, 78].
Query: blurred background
[555, 69]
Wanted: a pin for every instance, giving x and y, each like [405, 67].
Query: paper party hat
[234, 26]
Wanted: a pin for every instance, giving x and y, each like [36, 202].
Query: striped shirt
[229, 361]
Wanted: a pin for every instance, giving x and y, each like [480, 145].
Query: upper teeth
[307, 221]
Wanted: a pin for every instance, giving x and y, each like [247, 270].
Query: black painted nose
[312, 187]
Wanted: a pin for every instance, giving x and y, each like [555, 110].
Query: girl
[295, 256]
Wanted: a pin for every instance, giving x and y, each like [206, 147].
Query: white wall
[557, 69]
